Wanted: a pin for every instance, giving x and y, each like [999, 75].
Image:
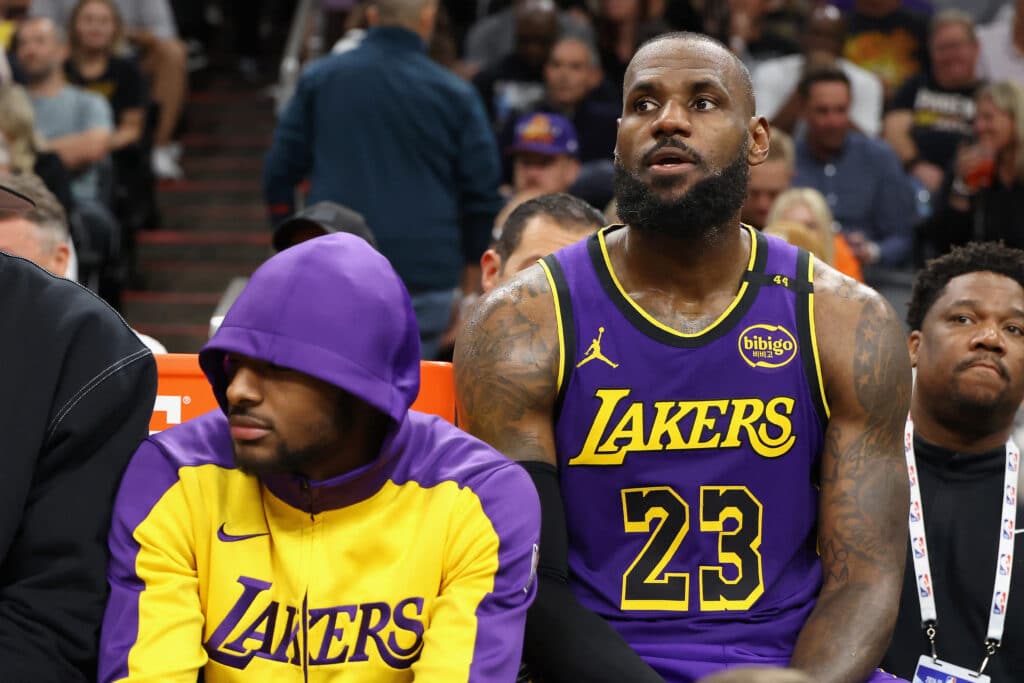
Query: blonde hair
[17, 123]
[1009, 97]
[816, 204]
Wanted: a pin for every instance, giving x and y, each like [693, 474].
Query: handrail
[291, 61]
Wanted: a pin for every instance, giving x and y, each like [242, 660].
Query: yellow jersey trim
[814, 336]
[558, 322]
[744, 285]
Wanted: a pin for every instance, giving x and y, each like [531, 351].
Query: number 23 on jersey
[661, 512]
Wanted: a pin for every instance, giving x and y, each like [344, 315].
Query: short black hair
[823, 74]
[571, 213]
[975, 257]
[746, 82]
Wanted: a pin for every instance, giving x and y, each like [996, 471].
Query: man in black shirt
[967, 343]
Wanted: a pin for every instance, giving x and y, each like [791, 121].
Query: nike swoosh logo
[231, 538]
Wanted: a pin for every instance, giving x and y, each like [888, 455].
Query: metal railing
[291, 60]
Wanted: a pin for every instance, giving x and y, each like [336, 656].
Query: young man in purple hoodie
[315, 527]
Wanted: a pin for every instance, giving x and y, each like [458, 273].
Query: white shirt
[776, 79]
[999, 59]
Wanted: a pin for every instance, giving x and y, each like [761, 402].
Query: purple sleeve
[510, 501]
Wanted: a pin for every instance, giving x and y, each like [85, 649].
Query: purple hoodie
[419, 564]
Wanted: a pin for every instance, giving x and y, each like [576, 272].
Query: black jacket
[961, 496]
[76, 395]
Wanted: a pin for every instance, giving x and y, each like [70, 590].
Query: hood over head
[333, 308]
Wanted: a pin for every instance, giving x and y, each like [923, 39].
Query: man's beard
[709, 204]
[34, 76]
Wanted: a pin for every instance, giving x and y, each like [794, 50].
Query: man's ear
[760, 139]
[59, 259]
[490, 270]
[913, 343]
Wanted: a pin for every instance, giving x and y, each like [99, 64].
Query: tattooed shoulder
[506, 361]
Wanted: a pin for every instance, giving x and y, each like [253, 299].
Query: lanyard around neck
[1004, 564]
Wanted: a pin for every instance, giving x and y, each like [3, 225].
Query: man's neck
[979, 438]
[685, 270]
[49, 86]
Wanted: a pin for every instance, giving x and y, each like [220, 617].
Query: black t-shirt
[943, 118]
[893, 47]
[121, 84]
[961, 496]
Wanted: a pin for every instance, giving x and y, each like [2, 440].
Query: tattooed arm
[506, 373]
[862, 531]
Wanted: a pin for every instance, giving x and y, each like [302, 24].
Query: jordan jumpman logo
[594, 352]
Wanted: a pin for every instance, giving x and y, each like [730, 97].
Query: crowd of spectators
[880, 98]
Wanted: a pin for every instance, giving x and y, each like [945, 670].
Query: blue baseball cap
[544, 133]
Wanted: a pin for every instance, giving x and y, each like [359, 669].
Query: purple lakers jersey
[688, 462]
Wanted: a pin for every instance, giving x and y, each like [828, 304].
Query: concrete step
[193, 276]
[181, 245]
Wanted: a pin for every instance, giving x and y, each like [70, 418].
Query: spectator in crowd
[95, 36]
[755, 36]
[887, 40]
[805, 207]
[417, 130]
[39, 234]
[769, 179]
[27, 151]
[150, 28]
[967, 317]
[1001, 45]
[775, 80]
[536, 228]
[516, 83]
[493, 38]
[985, 198]
[42, 235]
[76, 400]
[76, 124]
[545, 156]
[315, 449]
[322, 218]
[980, 10]
[573, 89]
[861, 178]
[622, 25]
[931, 115]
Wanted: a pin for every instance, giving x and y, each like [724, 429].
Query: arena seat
[183, 392]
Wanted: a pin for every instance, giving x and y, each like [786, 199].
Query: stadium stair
[214, 226]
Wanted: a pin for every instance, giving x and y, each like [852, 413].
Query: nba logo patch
[1011, 494]
[952, 679]
[999, 604]
[924, 585]
[908, 440]
[912, 471]
[1014, 461]
[1005, 562]
[919, 547]
[1007, 529]
[915, 511]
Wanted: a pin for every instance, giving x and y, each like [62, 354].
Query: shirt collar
[396, 36]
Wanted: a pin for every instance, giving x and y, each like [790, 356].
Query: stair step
[188, 308]
[182, 245]
[225, 141]
[193, 276]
